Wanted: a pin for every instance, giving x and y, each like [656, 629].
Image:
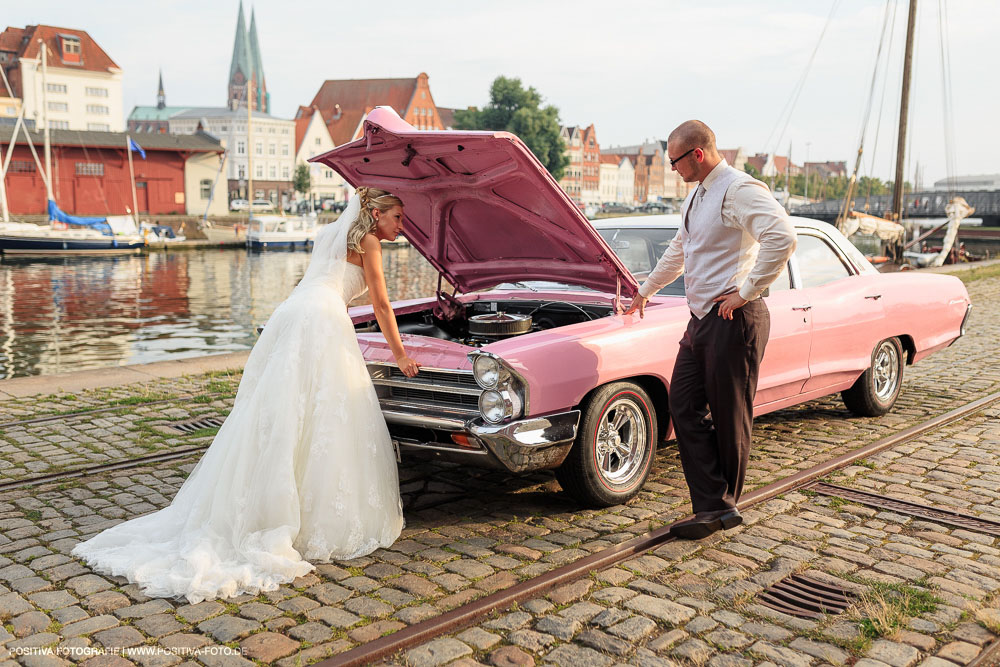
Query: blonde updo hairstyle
[371, 199]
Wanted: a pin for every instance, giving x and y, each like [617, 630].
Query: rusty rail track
[468, 614]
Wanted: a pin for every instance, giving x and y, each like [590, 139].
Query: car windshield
[640, 250]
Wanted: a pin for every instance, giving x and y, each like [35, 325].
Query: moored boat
[275, 231]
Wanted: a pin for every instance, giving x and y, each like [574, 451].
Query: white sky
[634, 68]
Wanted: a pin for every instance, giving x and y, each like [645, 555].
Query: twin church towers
[247, 66]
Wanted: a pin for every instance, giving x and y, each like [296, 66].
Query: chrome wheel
[885, 370]
[621, 442]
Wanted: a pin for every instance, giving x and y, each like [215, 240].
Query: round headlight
[486, 371]
[492, 406]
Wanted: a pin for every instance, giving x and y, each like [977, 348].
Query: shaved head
[693, 134]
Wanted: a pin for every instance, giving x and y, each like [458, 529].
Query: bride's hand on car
[408, 366]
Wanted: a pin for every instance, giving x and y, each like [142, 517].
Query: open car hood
[479, 206]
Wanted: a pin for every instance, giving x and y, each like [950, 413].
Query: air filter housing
[499, 325]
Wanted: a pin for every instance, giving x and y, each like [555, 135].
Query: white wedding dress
[302, 469]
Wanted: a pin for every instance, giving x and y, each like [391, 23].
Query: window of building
[89, 169]
[258, 148]
[284, 130]
[318, 141]
[98, 127]
[273, 171]
[284, 149]
[98, 109]
[71, 45]
[260, 171]
[97, 92]
[270, 130]
[328, 173]
[59, 124]
[285, 173]
[55, 87]
[206, 188]
[22, 167]
[58, 106]
[242, 172]
[271, 149]
[241, 147]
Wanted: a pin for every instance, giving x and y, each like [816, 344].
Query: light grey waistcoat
[711, 248]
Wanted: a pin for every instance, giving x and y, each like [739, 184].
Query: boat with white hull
[275, 231]
[23, 238]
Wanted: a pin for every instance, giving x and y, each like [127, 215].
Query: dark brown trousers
[711, 401]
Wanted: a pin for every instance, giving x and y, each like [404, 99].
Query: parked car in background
[617, 207]
[263, 205]
[528, 363]
[656, 207]
[238, 205]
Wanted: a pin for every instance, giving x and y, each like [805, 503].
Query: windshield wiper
[524, 285]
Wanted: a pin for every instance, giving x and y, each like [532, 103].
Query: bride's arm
[375, 278]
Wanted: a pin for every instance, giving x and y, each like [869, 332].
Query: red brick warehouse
[91, 175]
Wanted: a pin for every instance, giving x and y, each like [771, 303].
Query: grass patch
[32, 515]
[979, 273]
[884, 609]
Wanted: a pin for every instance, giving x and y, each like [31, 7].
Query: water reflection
[74, 313]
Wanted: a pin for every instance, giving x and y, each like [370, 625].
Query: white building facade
[625, 192]
[272, 142]
[313, 138]
[81, 88]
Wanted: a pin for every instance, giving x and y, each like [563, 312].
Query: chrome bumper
[534, 443]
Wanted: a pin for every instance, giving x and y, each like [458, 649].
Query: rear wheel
[875, 392]
[614, 449]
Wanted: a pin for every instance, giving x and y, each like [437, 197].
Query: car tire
[875, 392]
[609, 464]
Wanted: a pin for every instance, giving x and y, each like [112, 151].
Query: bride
[303, 468]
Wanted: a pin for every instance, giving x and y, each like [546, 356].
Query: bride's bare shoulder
[370, 243]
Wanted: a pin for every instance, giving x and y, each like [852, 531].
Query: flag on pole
[136, 147]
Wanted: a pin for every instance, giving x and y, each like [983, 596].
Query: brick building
[344, 104]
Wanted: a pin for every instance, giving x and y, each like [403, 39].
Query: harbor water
[76, 313]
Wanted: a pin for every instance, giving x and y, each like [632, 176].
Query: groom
[734, 241]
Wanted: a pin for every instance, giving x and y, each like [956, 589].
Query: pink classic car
[528, 363]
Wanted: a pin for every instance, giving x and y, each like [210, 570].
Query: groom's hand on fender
[409, 367]
[638, 303]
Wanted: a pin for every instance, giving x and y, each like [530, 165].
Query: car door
[785, 367]
[847, 315]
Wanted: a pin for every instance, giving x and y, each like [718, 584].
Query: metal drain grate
[939, 514]
[798, 595]
[198, 424]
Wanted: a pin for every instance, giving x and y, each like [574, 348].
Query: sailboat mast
[45, 121]
[249, 159]
[904, 111]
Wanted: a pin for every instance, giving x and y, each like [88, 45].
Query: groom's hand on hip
[728, 303]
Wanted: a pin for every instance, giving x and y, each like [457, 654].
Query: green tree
[752, 170]
[302, 180]
[518, 110]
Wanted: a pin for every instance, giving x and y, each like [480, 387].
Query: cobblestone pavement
[473, 532]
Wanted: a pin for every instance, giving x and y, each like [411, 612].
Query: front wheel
[614, 449]
[875, 392]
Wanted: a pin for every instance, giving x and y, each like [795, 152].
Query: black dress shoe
[705, 523]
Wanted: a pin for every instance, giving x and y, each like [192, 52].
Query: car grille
[433, 390]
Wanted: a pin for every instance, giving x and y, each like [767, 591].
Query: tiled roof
[357, 97]
[610, 159]
[221, 112]
[93, 57]
[302, 118]
[200, 143]
[447, 117]
[10, 39]
[155, 113]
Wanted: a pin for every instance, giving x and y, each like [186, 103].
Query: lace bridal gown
[302, 469]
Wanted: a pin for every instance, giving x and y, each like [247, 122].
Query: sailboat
[95, 235]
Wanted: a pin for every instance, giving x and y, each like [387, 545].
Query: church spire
[161, 97]
[241, 67]
[262, 98]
